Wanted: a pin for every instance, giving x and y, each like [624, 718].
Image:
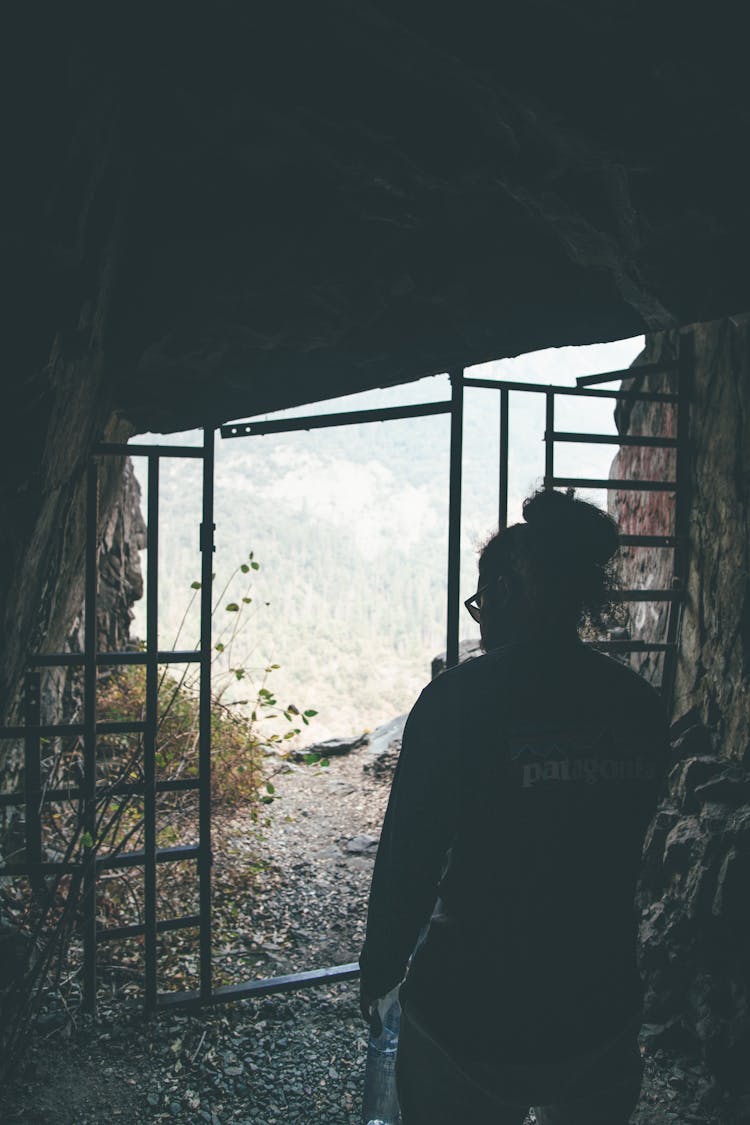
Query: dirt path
[297, 1057]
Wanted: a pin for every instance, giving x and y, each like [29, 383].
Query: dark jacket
[526, 781]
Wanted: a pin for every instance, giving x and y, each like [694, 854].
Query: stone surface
[332, 747]
[695, 927]
[467, 650]
[713, 668]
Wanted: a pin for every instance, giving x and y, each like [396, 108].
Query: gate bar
[454, 518]
[205, 858]
[614, 439]
[672, 595]
[591, 392]
[648, 540]
[549, 441]
[149, 740]
[121, 788]
[89, 738]
[617, 485]
[626, 373]
[116, 933]
[324, 421]
[123, 450]
[502, 519]
[74, 659]
[289, 983]
[32, 774]
[685, 359]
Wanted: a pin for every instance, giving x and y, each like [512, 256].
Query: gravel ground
[297, 1057]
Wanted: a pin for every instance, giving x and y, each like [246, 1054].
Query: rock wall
[713, 668]
[121, 535]
[695, 932]
[695, 928]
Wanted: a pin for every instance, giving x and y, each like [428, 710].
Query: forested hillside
[349, 526]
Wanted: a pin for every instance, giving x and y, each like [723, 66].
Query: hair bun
[579, 527]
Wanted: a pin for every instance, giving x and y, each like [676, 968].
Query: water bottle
[380, 1103]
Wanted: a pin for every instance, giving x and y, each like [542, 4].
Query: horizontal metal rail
[323, 421]
[118, 449]
[137, 859]
[137, 929]
[647, 595]
[103, 862]
[62, 730]
[626, 373]
[122, 788]
[247, 990]
[46, 868]
[649, 540]
[613, 439]
[590, 392]
[78, 659]
[631, 646]
[617, 485]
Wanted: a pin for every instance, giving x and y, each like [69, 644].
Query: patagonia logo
[588, 770]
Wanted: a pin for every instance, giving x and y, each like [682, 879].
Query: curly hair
[559, 560]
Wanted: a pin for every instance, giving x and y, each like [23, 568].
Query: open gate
[35, 794]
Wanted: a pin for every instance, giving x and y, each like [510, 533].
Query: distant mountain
[349, 526]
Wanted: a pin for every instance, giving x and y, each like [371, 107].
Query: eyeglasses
[474, 603]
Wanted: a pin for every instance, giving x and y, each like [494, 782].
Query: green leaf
[239, 673]
[310, 759]
[292, 709]
[305, 720]
[251, 555]
[269, 787]
[267, 800]
[195, 585]
[255, 565]
[275, 666]
[310, 713]
[219, 647]
[245, 568]
[232, 607]
[324, 762]
[247, 600]
[87, 840]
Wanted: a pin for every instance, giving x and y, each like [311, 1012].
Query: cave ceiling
[269, 205]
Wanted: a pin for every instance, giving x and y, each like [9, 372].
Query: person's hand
[368, 1006]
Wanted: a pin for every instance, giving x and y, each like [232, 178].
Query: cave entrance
[151, 857]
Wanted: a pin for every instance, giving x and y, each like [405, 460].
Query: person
[514, 830]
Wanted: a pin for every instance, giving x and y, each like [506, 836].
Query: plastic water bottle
[380, 1103]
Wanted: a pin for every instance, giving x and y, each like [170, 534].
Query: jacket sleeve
[416, 835]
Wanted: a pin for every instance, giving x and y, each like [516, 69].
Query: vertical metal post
[454, 517]
[502, 517]
[205, 858]
[685, 363]
[32, 775]
[149, 737]
[89, 740]
[549, 446]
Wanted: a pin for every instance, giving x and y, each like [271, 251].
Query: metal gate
[34, 794]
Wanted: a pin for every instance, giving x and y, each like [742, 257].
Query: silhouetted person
[515, 824]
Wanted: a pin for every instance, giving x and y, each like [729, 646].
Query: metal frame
[587, 386]
[88, 792]
[33, 796]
